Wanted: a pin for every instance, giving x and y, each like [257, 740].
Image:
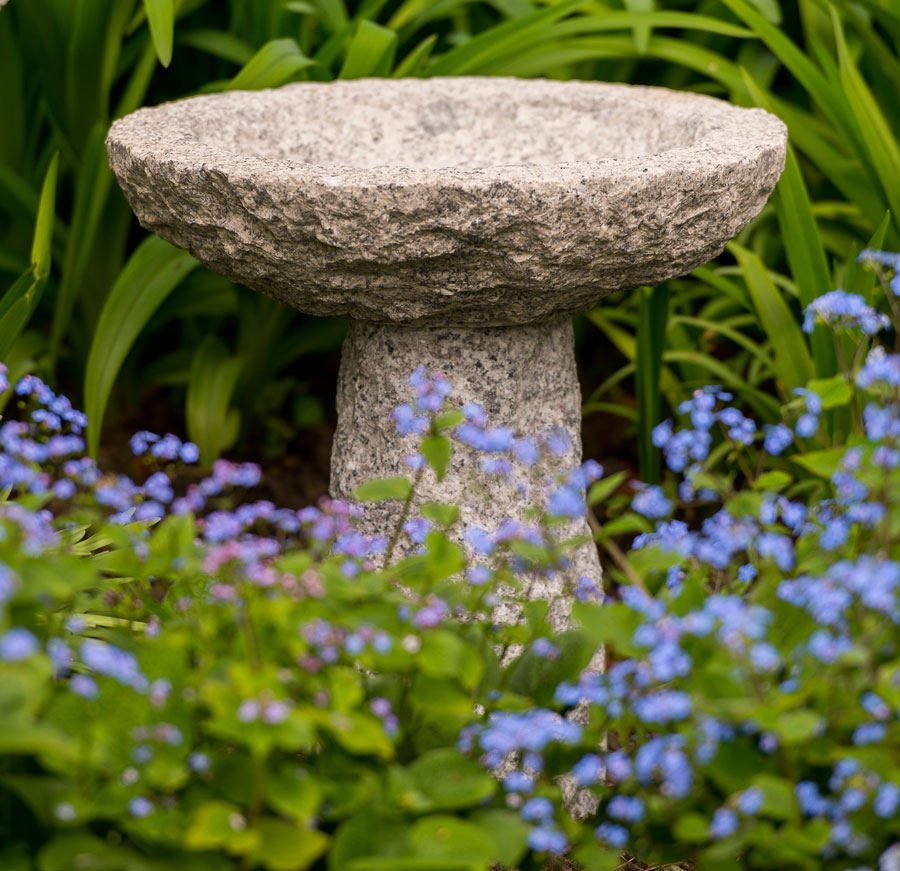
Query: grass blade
[149, 276]
[214, 375]
[371, 51]
[793, 364]
[881, 146]
[161, 20]
[651, 339]
[273, 65]
[510, 36]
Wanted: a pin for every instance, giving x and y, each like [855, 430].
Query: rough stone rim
[732, 135]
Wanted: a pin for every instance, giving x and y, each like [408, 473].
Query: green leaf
[452, 781]
[881, 146]
[213, 378]
[161, 19]
[219, 825]
[92, 187]
[383, 488]
[284, 847]
[612, 624]
[278, 61]
[834, 391]
[295, 793]
[601, 490]
[367, 835]
[413, 64]
[150, 275]
[447, 837]
[508, 831]
[651, 340]
[371, 51]
[797, 727]
[794, 366]
[437, 450]
[43, 228]
[219, 43]
[779, 801]
[440, 512]
[590, 856]
[772, 481]
[691, 828]
[823, 463]
[17, 307]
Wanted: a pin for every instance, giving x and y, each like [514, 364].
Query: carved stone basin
[458, 222]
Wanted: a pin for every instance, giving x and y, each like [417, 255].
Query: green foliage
[70, 68]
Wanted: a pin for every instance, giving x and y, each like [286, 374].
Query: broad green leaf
[796, 727]
[447, 837]
[452, 781]
[383, 488]
[213, 827]
[161, 20]
[370, 53]
[295, 793]
[778, 793]
[440, 512]
[149, 276]
[772, 481]
[691, 828]
[370, 834]
[794, 365]
[834, 392]
[285, 847]
[508, 831]
[601, 490]
[17, 306]
[437, 450]
[214, 375]
[823, 463]
[275, 63]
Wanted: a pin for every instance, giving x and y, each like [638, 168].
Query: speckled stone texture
[525, 379]
[471, 201]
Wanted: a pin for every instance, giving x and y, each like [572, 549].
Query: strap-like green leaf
[161, 19]
[273, 65]
[149, 276]
[214, 375]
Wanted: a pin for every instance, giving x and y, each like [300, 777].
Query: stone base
[523, 376]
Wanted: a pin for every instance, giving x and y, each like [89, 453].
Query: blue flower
[841, 309]
[537, 809]
[566, 502]
[724, 823]
[887, 800]
[612, 835]
[140, 807]
[626, 808]
[652, 503]
[777, 438]
[750, 801]
[546, 839]
[588, 770]
[17, 644]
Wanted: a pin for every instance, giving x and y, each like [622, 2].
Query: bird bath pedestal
[458, 223]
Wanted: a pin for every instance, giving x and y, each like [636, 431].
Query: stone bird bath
[458, 223]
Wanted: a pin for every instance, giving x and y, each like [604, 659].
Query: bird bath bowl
[459, 223]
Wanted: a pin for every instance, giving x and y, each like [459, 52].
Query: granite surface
[524, 377]
[453, 202]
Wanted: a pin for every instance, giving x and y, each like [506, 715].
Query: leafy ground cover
[208, 681]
